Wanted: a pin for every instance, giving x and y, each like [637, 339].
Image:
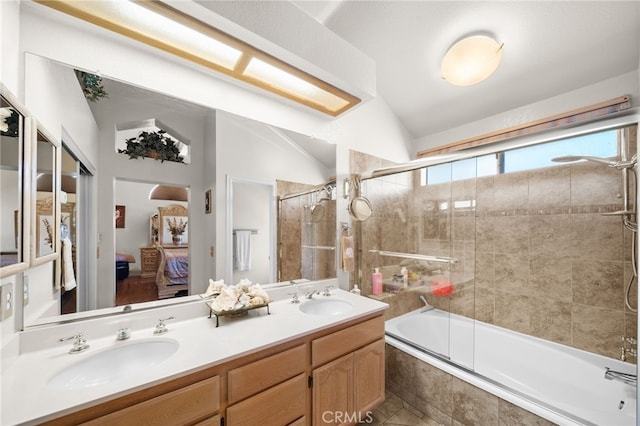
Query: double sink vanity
[314, 362]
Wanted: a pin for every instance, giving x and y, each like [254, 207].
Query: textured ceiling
[549, 48]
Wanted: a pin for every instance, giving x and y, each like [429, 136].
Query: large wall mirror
[14, 147]
[219, 143]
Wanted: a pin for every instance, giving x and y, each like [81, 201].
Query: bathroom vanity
[309, 363]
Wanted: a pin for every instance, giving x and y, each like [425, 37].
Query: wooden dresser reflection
[149, 261]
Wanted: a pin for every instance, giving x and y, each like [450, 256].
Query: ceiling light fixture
[161, 26]
[471, 60]
[170, 193]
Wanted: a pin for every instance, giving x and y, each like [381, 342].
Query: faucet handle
[161, 328]
[123, 334]
[79, 343]
[326, 291]
[294, 297]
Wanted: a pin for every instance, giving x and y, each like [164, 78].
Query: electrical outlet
[6, 298]
[25, 289]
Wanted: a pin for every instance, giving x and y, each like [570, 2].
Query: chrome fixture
[161, 328]
[415, 256]
[619, 376]
[123, 334]
[79, 343]
[294, 297]
[624, 350]
[309, 295]
[620, 164]
[427, 306]
[326, 291]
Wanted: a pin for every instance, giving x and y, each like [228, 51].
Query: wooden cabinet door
[333, 393]
[369, 377]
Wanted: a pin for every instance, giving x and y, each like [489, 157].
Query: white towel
[242, 250]
[68, 276]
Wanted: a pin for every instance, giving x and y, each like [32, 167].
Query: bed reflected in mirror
[150, 264]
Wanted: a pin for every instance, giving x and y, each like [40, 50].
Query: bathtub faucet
[619, 376]
[427, 306]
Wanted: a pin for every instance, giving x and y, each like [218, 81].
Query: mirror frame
[24, 186]
[55, 203]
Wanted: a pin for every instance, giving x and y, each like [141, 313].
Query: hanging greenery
[155, 145]
[91, 86]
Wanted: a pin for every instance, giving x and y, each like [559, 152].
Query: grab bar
[319, 247]
[619, 376]
[441, 259]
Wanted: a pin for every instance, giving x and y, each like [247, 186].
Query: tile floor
[396, 412]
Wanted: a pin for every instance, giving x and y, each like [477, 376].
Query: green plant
[91, 86]
[154, 144]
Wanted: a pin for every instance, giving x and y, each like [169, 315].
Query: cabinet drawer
[260, 375]
[341, 342]
[181, 406]
[279, 405]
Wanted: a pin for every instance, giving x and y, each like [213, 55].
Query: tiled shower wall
[295, 226]
[537, 254]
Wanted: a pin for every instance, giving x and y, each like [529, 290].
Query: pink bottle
[376, 281]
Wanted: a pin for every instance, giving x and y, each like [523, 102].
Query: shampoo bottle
[376, 282]
[405, 277]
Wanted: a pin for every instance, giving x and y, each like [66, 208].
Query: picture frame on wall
[120, 216]
[207, 201]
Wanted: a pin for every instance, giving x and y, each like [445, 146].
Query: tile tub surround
[438, 398]
[536, 254]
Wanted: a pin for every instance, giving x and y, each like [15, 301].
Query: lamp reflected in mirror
[170, 193]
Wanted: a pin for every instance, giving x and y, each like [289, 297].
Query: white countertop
[27, 398]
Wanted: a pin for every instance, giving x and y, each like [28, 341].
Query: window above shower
[601, 144]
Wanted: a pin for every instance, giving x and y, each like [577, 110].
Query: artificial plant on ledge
[155, 145]
[91, 86]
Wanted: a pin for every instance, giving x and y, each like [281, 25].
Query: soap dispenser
[355, 289]
[376, 282]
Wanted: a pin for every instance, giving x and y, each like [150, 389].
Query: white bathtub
[561, 384]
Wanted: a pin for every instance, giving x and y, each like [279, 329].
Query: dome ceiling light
[471, 60]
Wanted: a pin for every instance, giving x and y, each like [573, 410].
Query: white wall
[251, 204]
[625, 84]
[9, 46]
[250, 150]
[48, 85]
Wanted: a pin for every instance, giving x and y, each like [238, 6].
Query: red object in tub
[442, 287]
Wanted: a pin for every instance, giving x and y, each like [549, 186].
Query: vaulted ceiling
[549, 48]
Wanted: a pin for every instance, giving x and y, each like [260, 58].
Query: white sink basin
[325, 307]
[108, 365]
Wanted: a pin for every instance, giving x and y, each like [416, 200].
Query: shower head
[606, 162]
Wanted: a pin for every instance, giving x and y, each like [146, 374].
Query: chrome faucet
[161, 328]
[427, 306]
[79, 343]
[310, 294]
[327, 291]
[619, 376]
